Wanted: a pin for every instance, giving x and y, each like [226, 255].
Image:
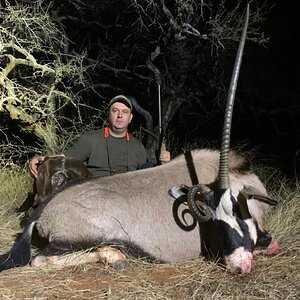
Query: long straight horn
[224, 154]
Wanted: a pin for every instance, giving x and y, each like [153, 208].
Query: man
[109, 150]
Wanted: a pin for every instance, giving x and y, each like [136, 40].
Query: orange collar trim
[106, 134]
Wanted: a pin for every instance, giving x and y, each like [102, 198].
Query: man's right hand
[36, 160]
[33, 164]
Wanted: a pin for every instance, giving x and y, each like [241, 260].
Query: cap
[121, 98]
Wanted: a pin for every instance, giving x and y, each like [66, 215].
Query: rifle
[161, 140]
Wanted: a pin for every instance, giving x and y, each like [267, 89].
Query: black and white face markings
[236, 231]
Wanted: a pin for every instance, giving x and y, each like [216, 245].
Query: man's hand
[164, 156]
[33, 164]
[36, 160]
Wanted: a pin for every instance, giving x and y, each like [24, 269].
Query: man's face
[119, 116]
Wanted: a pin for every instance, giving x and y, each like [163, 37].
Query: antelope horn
[199, 208]
[224, 153]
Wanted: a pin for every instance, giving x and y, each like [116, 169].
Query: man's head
[119, 115]
[122, 99]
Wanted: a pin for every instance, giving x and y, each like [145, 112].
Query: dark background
[266, 115]
[274, 124]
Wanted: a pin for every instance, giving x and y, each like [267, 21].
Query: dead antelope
[161, 213]
[54, 172]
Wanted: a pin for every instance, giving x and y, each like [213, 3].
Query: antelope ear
[251, 192]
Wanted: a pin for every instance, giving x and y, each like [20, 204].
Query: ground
[272, 278]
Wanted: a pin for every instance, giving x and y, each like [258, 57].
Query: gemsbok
[205, 202]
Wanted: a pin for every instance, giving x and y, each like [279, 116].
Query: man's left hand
[164, 156]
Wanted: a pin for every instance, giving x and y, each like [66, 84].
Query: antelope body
[134, 212]
[54, 172]
[221, 216]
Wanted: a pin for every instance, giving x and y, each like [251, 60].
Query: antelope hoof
[120, 264]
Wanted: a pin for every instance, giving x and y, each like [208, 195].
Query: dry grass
[273, 277]
[15, 183]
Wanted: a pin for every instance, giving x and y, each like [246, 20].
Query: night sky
[266, 116]
[270, 79]
[275, 125]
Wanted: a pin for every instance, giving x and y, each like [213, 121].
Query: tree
[39, 79]
[180, 51]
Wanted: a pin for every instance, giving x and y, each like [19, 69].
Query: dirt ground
[87, 282]
[273, 278]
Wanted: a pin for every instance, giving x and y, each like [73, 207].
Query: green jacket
[106, 156]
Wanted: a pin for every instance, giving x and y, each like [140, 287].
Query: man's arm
[79, 150]
[36, 160]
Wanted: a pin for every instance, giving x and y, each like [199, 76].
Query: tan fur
[135, 207]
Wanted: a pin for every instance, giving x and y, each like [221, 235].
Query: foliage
[39, 78]
[15, 185]
[60, 57]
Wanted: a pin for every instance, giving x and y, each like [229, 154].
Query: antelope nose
[239, 262]
[245, 266]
